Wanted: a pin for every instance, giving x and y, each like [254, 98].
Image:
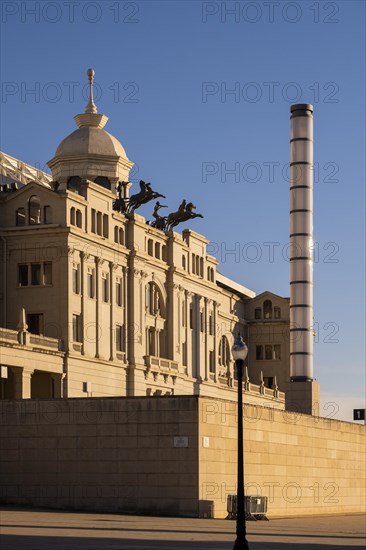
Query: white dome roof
[89, 140]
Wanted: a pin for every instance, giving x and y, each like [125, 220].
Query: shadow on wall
[20, 542]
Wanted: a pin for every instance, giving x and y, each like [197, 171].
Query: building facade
[97, 302]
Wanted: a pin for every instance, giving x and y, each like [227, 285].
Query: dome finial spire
[91, 108]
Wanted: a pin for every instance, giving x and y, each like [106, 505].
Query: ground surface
[41, 530]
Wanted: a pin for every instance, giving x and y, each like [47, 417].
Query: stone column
[98, 264]
[22, 383]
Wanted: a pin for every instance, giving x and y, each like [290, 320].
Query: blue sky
[164, 72]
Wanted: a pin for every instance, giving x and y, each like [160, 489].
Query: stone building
[97, 302]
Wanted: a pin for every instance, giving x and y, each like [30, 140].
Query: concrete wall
[122, 454]
[303, 464]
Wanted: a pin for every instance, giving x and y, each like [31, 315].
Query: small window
[35, 323]
[258, 313]
[105, 226]
[277, 313]
[72, 216]
[34, 210]
[20, 216]
[259, 353]
[90, 283]
[268, 352]
[93, 221]
[150, 245]
[277, 352]
[201, 267]
[105, 287]
[35, 274]
[99, 223]
[76, 328]
[212, 361]
[116, 234]
[163, 253]
[197, 265]
[224, 352]
[22, 275]
[157, 251]
[79, 218]
[267, 309]
[184, 354]
[75, 279]
[119, 338]
[47, 273]
[191, 321]
[121, 236]
[194, 264]
[119, 292]
[184, 262]
[47, 214]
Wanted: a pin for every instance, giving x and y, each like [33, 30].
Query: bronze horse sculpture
[145, 195]
[184, 213]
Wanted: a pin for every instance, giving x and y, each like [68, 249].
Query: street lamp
[240, 351]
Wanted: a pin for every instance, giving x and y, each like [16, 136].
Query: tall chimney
[301, 243]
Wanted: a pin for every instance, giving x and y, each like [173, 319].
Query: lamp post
[240, 351]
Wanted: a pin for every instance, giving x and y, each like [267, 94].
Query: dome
[90, 140]
[90, 152]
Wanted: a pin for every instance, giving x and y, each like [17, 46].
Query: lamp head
[239, 349]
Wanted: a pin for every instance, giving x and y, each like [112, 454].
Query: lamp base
[241, 545]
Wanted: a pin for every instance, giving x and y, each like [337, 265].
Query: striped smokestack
[301, 243]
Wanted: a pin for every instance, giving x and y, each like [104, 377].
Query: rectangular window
[35, 274]
[259, 353]
[277, 352]
[191, 324]
[47, 214]
[47, 273]
[105, 287]
[268, 353]
[258, 313]
[35, 323]
[119, 292]
[20, 216]
[105, 225]
[90, 283]
[184, 354]
[22, 275]
[277, 313]
[93, 221]
[119, 338]
[76, 328]
[212, 361]
[75, 279]
[99, 223]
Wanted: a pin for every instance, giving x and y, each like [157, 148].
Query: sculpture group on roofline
[128, 206]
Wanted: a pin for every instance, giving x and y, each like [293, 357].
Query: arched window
[150, 246]
[121, 236]
[34, 210]
[224, 352]
[267, 309]
[79, 219]
[103, 182]
[20, 216]
[73, 183]
[72, 216]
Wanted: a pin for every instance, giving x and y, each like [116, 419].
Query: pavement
[28, 529]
